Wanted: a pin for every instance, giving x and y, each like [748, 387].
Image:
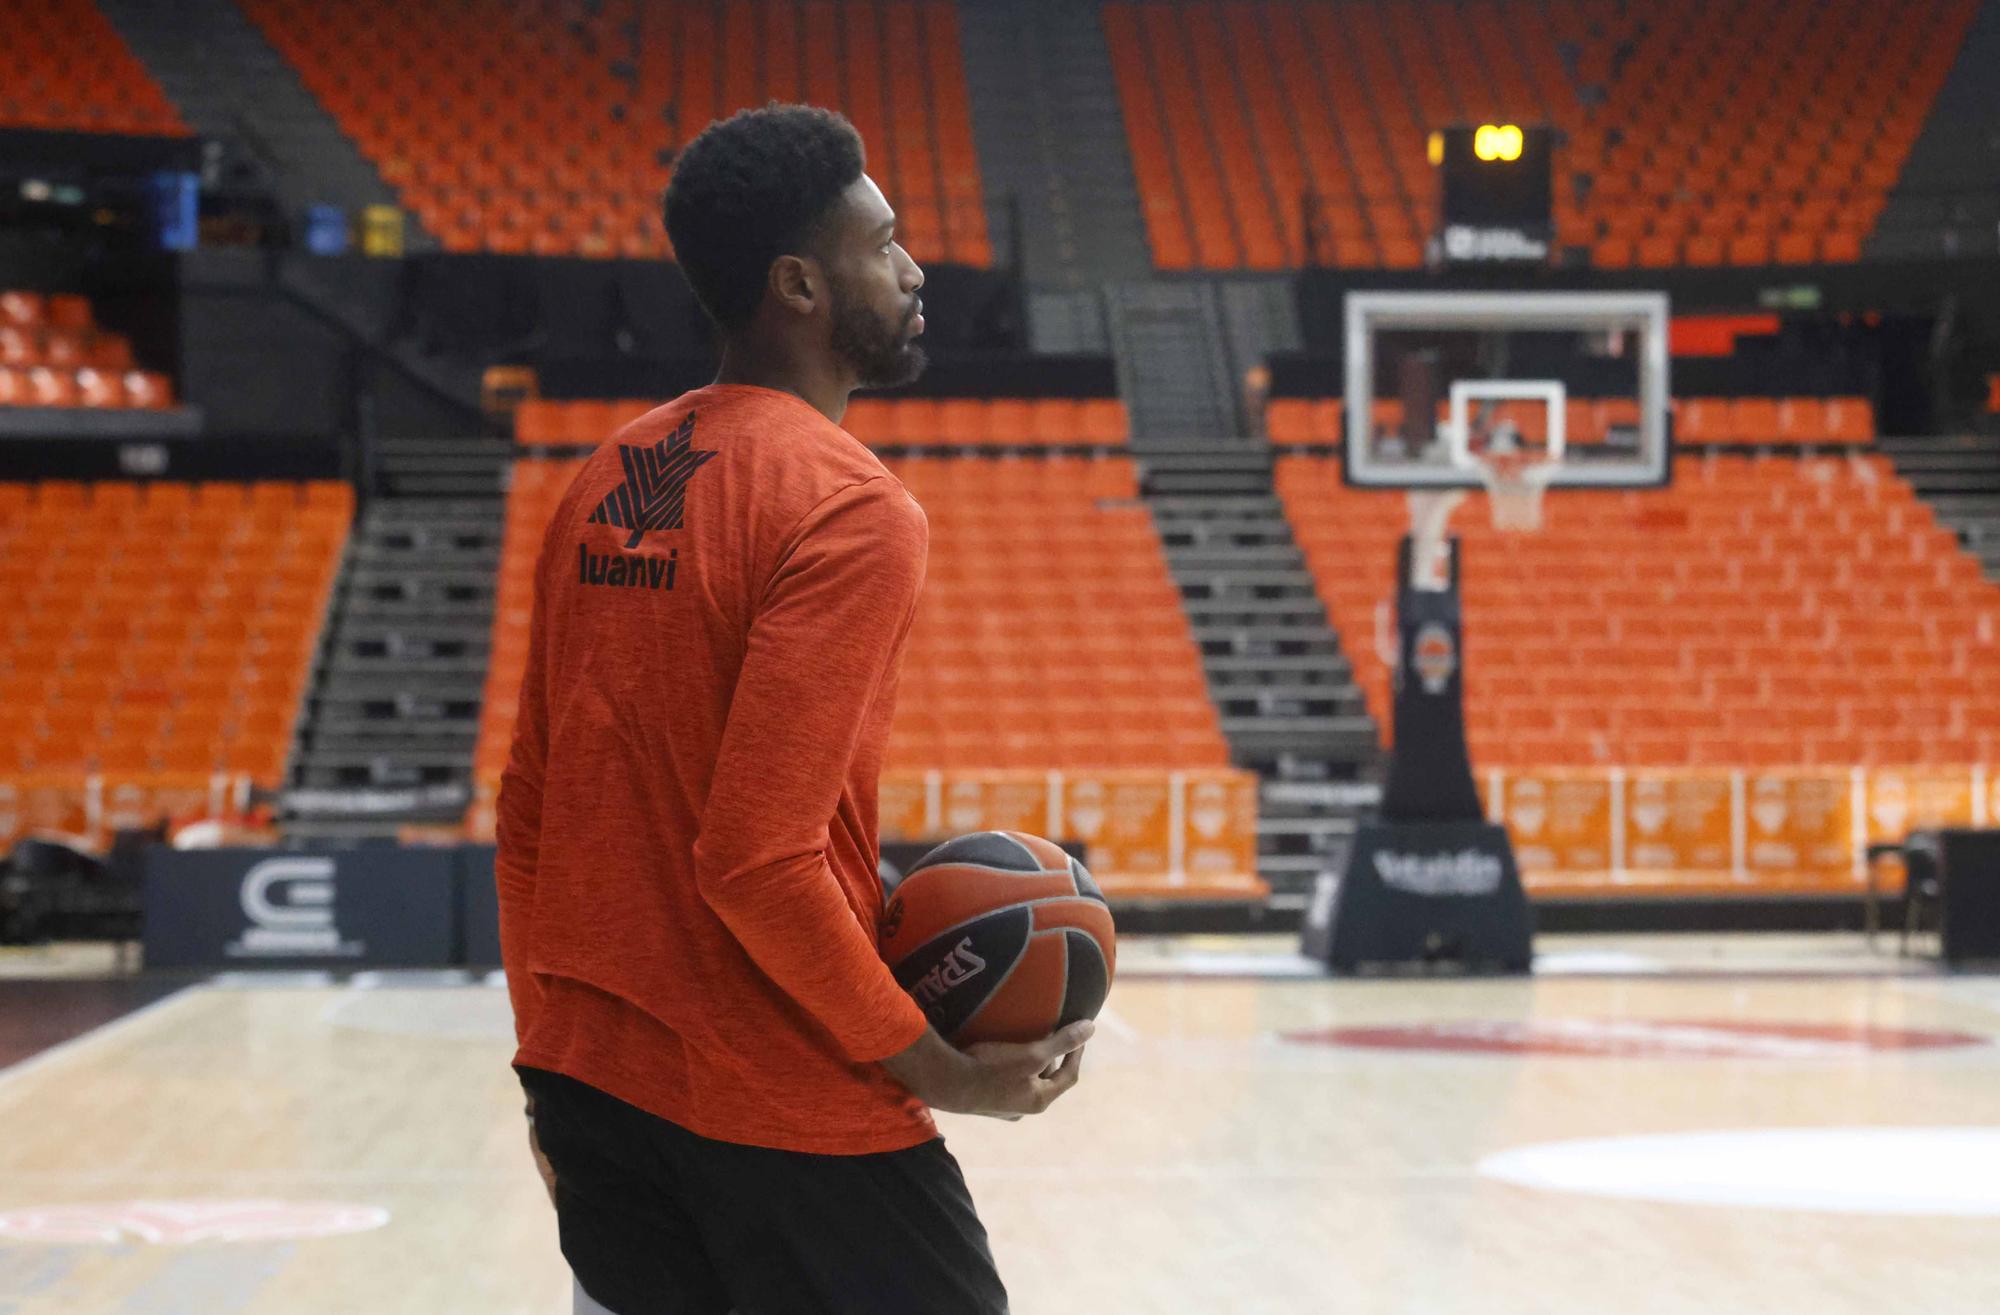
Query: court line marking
[62, 1050]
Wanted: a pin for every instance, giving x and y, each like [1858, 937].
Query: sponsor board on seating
[1579, 830]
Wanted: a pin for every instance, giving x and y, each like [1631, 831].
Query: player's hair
[751, 188]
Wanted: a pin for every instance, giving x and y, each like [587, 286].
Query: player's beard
[879, 351]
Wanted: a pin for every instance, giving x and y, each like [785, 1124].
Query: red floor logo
[177, 1223]
[1640, 1038]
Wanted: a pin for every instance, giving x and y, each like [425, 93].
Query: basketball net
[1515, 482]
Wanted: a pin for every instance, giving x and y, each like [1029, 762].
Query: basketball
[1000, 936]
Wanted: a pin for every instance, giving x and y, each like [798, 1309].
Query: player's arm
[827, 632]
[830, 628]
[519, 824]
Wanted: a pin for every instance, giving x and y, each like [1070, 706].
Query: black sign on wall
[266, 908]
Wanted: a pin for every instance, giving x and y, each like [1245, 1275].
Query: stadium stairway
[1944, 203]
[1960, 478]
[1051, 139]
[1286, 694]
[1172, 356]
[229, 82]
[395, 702]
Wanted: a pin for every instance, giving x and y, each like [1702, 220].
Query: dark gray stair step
[341, 665]
[1262, 557]
[440, 483]
[1319, 799]
[1297, 611]
[1169, 482]
[1247, 534]
[1949, 482]
[426, 739]
[385, 573]
[1248, 641]
[404, 708]
[428, 511]
[1316, 734]
[1947, 459]
[335, 771]
[1285, 578]
[348, 695]
[440, 605]
[1297, 867]
[1320, 701]
[485, 533]
[426, 560]
[1280, 669]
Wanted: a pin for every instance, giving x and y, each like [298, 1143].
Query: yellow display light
[1497, 141]
[1435, 149]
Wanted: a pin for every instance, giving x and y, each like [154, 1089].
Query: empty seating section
[1050, 633]
[53, 354]
[546, 128]
[64, 68]
[1743, 421]
[1699, 132]
[161, 627]
[1760, 612]
[881, 422]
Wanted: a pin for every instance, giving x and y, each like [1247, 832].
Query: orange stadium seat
[1245, 155]
[181, 646]
[1760, 612]
[53, 354]
[1012, 628]
[568, 160]
[881, 422]
[63, 67]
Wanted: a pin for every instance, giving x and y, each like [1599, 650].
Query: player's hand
[996, 1079]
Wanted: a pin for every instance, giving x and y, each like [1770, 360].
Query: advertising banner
[368, 907]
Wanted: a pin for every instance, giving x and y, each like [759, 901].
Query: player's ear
[797, 283]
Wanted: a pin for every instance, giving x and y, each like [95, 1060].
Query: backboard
[1574, 383]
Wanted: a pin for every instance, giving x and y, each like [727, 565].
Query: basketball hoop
[1515, 482]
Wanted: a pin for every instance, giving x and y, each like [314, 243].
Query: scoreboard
[1496, 193]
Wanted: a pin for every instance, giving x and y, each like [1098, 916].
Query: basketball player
[727, 1089]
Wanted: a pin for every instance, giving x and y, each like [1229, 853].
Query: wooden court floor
[1618, 1135]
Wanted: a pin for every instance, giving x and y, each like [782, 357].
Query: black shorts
[655, 1220]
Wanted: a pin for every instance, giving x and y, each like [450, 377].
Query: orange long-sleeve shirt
[687, 822]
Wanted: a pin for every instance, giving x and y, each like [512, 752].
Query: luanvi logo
[955, 969]
[654, 494]
[623, 572]
[1468, 872]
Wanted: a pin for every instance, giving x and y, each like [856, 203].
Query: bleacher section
[1760, 612]
[1050, 634]
[64, 68]
[538, 129]
[1050, 639]
[1724, 421]
[880, 422]
[1731, 686]
[53, 354]
[1697, 132]
[158, 639]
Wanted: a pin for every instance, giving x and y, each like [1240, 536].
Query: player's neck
[762, 365]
